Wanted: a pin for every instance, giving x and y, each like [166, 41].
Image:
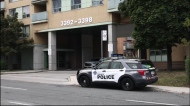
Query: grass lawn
[173, 78]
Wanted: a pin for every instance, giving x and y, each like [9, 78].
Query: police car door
[116, 70]
[98, 74]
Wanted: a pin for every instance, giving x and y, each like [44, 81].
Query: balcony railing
[2, 5]
[76, 6]
[39, 1]
[129, 45]
[97, 2]
[113, 5]
[40, 17]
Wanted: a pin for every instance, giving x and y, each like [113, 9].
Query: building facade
[67, 33]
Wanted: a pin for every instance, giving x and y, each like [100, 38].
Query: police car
[127, 73]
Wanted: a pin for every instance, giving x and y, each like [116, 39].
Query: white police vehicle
[127, 73]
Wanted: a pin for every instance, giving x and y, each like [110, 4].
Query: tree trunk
[169, 57]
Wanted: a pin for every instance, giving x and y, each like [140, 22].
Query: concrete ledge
[23, 72]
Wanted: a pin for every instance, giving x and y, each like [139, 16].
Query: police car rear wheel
[127, 84]
[84, 81]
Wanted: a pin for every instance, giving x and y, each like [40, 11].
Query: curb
[171, 89]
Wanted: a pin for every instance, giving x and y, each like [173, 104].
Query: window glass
[152, 55]
[26, 11]
[75, 4]
[12, 12]
[103, 65]
[164, 55]
[134, 65]
[56, 6]
[116, 65]
[26, 31]
[158, 55]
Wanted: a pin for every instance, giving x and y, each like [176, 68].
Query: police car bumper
[146, 81]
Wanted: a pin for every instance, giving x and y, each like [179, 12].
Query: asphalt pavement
[68, 77]
[19, 93]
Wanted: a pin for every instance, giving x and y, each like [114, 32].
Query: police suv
[127, 73]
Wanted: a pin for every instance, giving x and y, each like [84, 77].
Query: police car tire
[129, 81]
[81, 81]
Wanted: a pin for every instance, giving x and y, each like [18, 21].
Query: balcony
[40, 17]
[129, 45]
[97, 2]
[41, 2]
[113, 5]
[2, 5]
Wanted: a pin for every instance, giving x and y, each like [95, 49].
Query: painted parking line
[13, 88]
[151, 102]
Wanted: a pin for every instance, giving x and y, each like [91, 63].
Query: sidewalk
[69, 78]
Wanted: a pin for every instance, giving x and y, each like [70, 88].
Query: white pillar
[112, 39]
[52, 52]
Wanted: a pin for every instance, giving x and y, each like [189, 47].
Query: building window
[56, 6]
[23, 12]
[26, 11]
[25, 31]
[75, 4]
[97, 2]
[12, 1]
[158, 55]
[12, 12]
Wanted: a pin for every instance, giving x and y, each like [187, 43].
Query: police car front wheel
[127, 84]
[84, 81]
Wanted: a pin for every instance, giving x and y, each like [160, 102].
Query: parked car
[93, 62]
[126, 73]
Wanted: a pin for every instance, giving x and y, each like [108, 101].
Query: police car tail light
[142, 72]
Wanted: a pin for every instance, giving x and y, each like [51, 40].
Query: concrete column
[112, 39]
[52, 52]
[87, 48]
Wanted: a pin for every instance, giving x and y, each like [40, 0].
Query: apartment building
[67, 33]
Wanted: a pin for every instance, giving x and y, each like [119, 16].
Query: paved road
[31, 93]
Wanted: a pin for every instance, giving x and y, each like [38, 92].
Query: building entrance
[62, 60]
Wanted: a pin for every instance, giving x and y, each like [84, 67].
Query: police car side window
[116, 65]
[103, 65]
[134, 65]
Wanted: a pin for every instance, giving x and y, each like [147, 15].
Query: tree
[158, 23]
[11, 36]
[187, 25]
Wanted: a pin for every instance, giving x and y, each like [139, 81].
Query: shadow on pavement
[117, 87]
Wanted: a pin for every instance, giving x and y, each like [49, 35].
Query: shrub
[3, 65]
[187, 65]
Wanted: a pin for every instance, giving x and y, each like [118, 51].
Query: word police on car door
[104, 72]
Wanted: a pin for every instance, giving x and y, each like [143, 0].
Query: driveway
[49, 77]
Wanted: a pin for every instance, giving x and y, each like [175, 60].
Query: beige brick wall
[98, 13]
